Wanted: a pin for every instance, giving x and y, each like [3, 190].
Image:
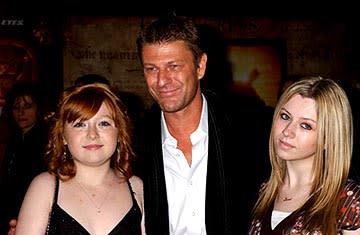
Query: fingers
[12, 225]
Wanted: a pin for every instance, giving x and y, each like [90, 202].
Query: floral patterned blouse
[349, 216]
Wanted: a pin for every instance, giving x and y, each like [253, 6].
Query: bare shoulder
[44, 178]
[137, 186]
[43, 183]
[136, 182]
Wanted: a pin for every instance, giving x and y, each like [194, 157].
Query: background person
[134, 104]
[26, 108]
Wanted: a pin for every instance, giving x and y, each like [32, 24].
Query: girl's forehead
[301, 107]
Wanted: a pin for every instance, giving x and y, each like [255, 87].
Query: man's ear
[202, 66]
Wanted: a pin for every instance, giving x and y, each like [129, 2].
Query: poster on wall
[17, 63]
[258, 66]
[106, 46]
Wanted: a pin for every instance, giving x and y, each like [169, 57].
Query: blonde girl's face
[92, 142]
[295, 129]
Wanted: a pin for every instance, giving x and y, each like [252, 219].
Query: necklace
[92, 195]
[285, 199]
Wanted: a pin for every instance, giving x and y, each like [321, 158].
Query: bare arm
[351, 232]
[35, 209]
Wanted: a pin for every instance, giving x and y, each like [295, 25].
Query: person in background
[287, 81]
[89, 187]
[91, 78]
[134, 104]
[24, 154]
[311, 141]
[199, 161]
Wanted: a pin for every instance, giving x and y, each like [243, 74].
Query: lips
[93, 146]
[165, 94]
[285, 144]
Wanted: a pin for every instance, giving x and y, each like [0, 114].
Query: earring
[64, 156]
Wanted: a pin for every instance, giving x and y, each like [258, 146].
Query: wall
[69, 46]
[106, 45]
[29, 50]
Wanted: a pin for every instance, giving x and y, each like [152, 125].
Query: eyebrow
[22, 104]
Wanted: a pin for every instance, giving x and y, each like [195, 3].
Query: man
[194, 153]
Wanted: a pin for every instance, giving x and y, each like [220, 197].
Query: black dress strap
[53, 204]
[56, 190]
[132, 192]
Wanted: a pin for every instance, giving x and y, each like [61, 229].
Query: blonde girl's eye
[306, 126]
[284, 116]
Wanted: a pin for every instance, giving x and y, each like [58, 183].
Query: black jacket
[235, 147]
[23, 160]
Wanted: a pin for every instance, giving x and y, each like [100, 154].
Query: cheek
[73, 144]
[277, 129]
[311, 142]
[113, 139]
[308, 144]
[69, 137]
[32, 115]
[150, 79]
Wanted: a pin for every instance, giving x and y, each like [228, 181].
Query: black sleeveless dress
[61, 223]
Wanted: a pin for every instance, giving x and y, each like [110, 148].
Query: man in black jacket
[198, 154]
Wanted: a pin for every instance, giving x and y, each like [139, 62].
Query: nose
[163, 77]
[19, 111]
[92, 132]
[289, 130]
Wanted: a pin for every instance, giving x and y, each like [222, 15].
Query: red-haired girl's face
[92, 142]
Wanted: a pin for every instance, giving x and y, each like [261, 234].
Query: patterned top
[61, 223]
[349, 216]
